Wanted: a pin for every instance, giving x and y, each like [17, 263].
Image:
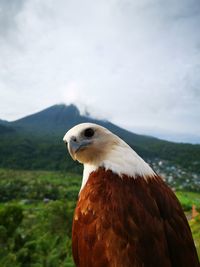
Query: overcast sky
[136, 63]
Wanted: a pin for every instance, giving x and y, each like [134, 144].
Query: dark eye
[89, 132]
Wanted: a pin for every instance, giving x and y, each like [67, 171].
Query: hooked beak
[74, 146]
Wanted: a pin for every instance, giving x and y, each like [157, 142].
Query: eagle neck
[88, 168]
[122, 160]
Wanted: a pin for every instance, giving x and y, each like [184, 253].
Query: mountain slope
[4, 129]
[58, 119]
[35, 141]
[50, 121]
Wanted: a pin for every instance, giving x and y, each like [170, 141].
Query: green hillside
[36, 211]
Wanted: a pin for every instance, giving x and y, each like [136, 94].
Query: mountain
[52, 121]
[4, 129]
[3, 122]
[35, 141]
[57, 119]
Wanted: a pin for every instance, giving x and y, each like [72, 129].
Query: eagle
[126, 215]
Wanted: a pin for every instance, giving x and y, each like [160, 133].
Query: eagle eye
[89, 132]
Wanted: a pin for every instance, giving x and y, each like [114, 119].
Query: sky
[135, 63]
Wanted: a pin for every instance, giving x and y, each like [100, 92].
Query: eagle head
[95, 146]
[89, 143]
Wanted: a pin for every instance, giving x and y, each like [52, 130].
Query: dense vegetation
[36, 214]
[49, 153]
[36, 211]
[33, 153]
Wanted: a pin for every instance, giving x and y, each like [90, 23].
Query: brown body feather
[130, 222]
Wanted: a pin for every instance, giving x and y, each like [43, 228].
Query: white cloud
[137, 62]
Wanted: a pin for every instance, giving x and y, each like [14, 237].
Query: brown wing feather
[126, 222]
[177, 231]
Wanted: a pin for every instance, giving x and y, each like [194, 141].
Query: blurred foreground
[36, 211]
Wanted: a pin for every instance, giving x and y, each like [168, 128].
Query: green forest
[36, 211]
[36, 214]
